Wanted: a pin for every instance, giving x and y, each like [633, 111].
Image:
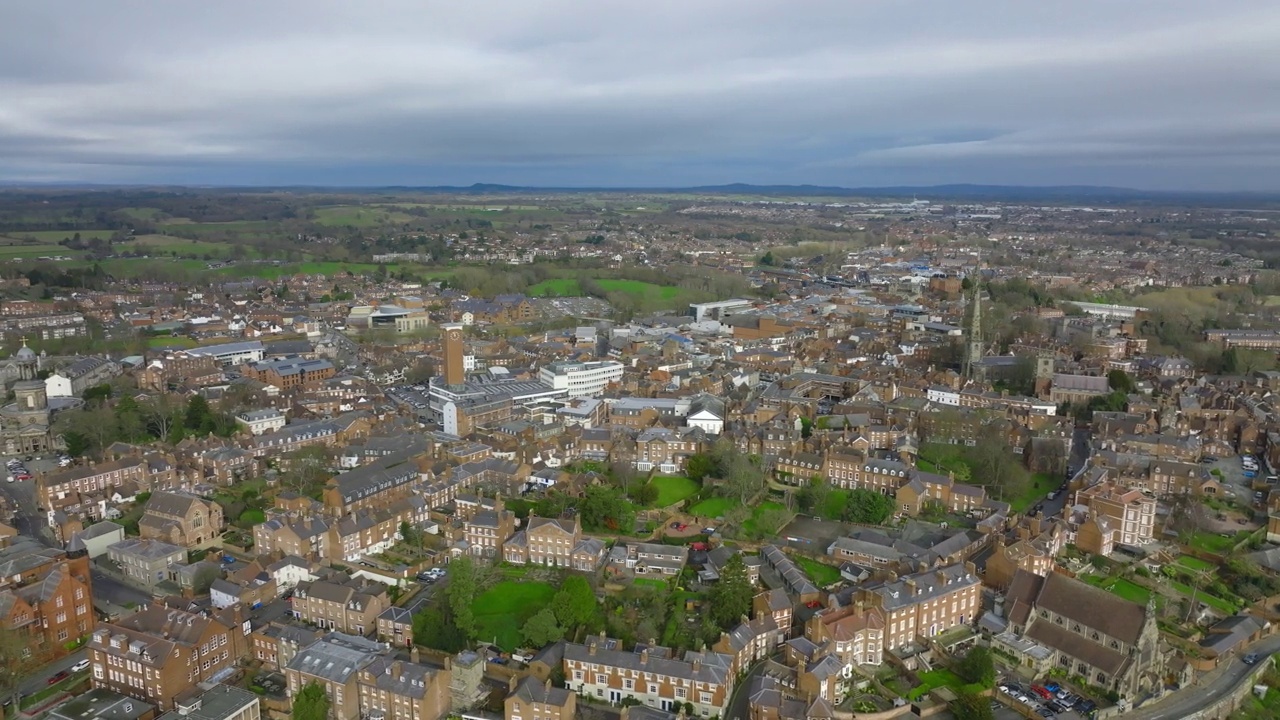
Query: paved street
[1206, 691]
[40, 679]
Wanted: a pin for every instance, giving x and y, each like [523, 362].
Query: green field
[361, 216]
[503, 609]
[561, 287]
[933, 679]
[1212, 542]
[821, 573]
[672, 490]
[142, 213]
[53, 236]
[166, 341]
[19, 250]
[712, 507]
[169, 244]
[1120, 587]
[640, 289]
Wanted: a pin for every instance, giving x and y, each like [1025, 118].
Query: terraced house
[651, 675]
[351, 607]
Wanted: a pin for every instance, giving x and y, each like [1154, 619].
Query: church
[25, 426]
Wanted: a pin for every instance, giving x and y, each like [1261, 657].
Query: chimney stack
[910, 584]
[414, 655]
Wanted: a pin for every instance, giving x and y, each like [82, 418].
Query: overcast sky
[1157, 94]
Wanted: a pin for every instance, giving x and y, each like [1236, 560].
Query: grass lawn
[640, 289]
[1212, 542]
[1120, 587]
[561, 287]
[249, 518]
[672, 490]
[750, 524]
[1193, 563]
[1037, 490]
[712, 507]
[164, 341]
[651, 583]
[1212, 601]
[503, 609]
[932, 679]
[361, 216]
[822, 574]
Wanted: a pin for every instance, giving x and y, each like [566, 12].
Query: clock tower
[453, 369]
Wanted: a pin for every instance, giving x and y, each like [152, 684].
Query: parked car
[82, 665]
[1251, 658]
[1042, 692]
[1052, 686]
[58, 676]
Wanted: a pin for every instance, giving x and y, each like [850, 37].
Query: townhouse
[1131, 513]
[650, 675]
[350, 607]
[555, 542]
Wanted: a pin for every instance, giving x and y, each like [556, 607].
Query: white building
[581, 379]
[231, 354]
[261, 421]
[74, 379]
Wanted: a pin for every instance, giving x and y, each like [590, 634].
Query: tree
[198, 416]
[1119, 380]
[16, 664]
[461, 595]
[978, 667]
[768, 259]
[730, 597]
[575, 604]
[742, 477]
[542, 629]
[868, 507]
[698, 466]
[434, 628]
[604, 508]
[311, 703]
[411, 535]
[968, 706]
[204, 578]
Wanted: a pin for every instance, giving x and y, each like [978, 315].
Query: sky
[1150, 94]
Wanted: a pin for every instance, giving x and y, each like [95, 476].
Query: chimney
[644, 656]
[911, 586]
[414, 655]
[511, 684]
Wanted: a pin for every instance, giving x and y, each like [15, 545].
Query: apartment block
[651, 675]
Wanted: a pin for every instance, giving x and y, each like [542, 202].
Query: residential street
[116, 592]
[40, 679]
[1207, 690]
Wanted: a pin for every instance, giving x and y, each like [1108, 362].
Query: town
[637, 456]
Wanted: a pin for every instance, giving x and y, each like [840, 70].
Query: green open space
[170, 341]
[820, 573]
[941, 677]
[361, 216]
[558, 287]
[672, 490]
[1037, 490]
[1194, 563]
[1212, 542]
[752, 524]
[502, 610]
[712, 507]
[53, 236]
[17, 249]
[142, 213]
[1120, 587]
[1212, 601]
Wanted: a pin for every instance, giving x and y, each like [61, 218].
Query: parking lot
[1016, 692]
[1231, 474]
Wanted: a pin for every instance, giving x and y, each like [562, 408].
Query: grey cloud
[1174, 94]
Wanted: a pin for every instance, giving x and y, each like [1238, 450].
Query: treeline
[95, 426]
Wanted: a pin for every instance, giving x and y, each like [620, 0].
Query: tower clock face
[454, 334]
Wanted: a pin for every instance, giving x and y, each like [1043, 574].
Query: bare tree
[16, 664]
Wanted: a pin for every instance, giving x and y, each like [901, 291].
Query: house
[395, 626]
[44, 595]
[363, 679]
[529, 698]
[1087, 631]
[351, 607]
[555, 542]
[96, 538]
[181, 519]
[647, 559]
[651, 675]
[145, 561]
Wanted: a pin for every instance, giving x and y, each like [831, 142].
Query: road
[40, 679]
[1207, 690]
[738, 709]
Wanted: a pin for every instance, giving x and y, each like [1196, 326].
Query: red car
[1042, 692]
[58, 676]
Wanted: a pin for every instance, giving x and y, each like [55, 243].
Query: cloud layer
[1163, 94]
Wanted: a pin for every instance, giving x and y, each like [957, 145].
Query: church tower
[1044, 376]
[974, 349]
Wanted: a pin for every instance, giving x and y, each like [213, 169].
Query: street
[1207, 690]
[40, 679]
